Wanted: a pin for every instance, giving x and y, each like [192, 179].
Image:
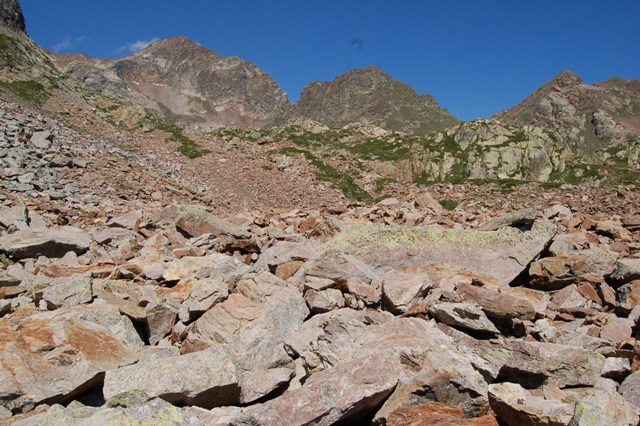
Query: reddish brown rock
[436, 414]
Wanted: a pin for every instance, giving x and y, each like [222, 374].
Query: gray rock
[70, 291]
[603, 408]
[501, 254]
[156, 411]
[49, 243]
[254, 322]
[626, 270]
[532, 364]
[42, 140]
[514, 405]
[467, 316]
[521, 217]
[630, 390]
[207, 379]
[401, 289]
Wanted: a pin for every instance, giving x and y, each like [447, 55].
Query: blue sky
[475, 57]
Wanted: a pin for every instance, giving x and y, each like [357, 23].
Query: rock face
[11, 15]
[487, 149]
[587, 117]
[370, 96]
[192, 82]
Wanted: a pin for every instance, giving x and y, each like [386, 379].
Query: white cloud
[137, 45]
[67, 43]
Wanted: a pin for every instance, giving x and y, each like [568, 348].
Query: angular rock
[207, 379]
[436, 414]
[626, 270]
[48, 242]
[196, 221]
[203, 267]
[630, 391]
[467, 316]
[514, 405]
[254, 322]
[432, 359]
[160, 319]
[71, 291]
[532, 364]
[554, 273]
[346, 392]
[324, 301]
[55, 356]
[497, 305]
[521, 217]
[401, 289]
[205, 294]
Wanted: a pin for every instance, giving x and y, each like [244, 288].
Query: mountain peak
[369, 95]
[179, 47]
[567, 78]
[11, 15]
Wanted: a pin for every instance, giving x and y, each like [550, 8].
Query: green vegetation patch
[188, 147]
[326, 173]
[29, 90]
[448, 204]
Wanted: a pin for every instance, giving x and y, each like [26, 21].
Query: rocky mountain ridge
[370, 96]
[587, 117]
[186, 83]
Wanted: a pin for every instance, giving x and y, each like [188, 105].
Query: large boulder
[346, 392]
[55, 356]
[254, 322]
[368, 250]
[207, 379]
[45, 242]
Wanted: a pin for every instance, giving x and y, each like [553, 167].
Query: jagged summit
[588, 117]
[178, 45]
[11, 15]
[371, 96]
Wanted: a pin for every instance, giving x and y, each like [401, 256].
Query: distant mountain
[188, 83]
[370, 96]
[587, 117]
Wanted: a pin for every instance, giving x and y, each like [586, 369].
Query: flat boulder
[345, 393]
[54, 356]
[502, 254]
[206, 379]
[45, 242]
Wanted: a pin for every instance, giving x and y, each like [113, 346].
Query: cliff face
[588, 117]
[11, 15]
[370, 96]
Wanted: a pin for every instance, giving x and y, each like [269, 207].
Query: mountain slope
[188, 83]
[588, 117]
[370, 96]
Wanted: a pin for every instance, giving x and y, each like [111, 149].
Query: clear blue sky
[475, 57]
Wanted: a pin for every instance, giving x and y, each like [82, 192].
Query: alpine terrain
[180, 244]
